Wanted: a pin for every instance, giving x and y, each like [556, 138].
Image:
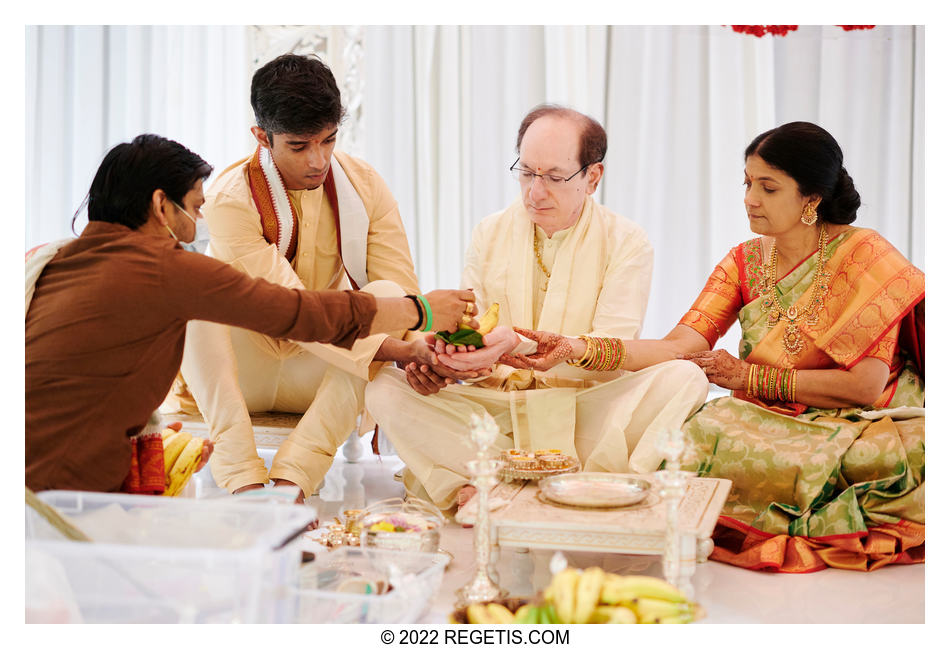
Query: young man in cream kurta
[554, 260]
[232, 372]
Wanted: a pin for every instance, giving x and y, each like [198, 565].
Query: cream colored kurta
[231, 372]
[600, 277]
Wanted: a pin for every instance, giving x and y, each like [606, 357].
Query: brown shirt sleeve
[202, 288]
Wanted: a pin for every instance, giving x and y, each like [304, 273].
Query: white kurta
[231, 372]
[600, 278]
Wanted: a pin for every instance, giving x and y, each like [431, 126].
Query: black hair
[593, 144]
[812, 157]
[121, 191]
[295, 94]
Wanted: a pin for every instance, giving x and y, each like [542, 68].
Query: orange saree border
[741, 545]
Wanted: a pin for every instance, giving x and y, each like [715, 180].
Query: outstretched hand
[499, 341]
[553, 349]
[721, 368]
[427, 376]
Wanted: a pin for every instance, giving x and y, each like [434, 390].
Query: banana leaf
[461, 337]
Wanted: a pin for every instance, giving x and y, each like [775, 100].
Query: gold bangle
[622, 353]
[580, 361]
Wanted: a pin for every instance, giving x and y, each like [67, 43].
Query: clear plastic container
[409, 524]
[365, 585]
[158, 559]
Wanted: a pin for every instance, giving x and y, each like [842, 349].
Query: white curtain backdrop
[92, 87]
[679, 104]
[441, 107]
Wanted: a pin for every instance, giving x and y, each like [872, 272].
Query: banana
[588, 594]
[499, 614]
[184, 466]
[617, 589]
[476, 614]
[173, 444]
[613, 615]
[526, 614]
[491, 613]
[652, 611]
[675, 619]
[548, 615]
[562, 593]
[487, 321]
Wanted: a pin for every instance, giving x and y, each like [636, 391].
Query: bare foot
[465, 494]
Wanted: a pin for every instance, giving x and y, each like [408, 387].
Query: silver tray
[600, 490]
[508, 473]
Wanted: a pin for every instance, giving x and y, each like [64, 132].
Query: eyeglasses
[526, 176]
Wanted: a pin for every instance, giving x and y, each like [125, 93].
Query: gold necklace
[537, 255]
[792, 339]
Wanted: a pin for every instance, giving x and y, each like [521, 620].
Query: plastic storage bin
[159, 559]
[330, 588]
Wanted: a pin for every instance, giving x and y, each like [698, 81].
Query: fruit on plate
[592, 596]
[598, 597]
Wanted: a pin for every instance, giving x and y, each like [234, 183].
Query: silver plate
[589, 489]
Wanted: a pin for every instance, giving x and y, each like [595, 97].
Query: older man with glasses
[554, 260]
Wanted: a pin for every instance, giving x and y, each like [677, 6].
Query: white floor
[894, 594]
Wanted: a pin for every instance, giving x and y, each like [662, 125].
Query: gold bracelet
[623, 353]
[580, 361]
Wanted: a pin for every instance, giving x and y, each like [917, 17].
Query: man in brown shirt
[105, 327]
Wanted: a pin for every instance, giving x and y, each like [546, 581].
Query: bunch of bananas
[593, 596]
[494, 613]
[182, 456]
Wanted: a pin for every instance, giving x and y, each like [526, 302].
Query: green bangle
[425, 305]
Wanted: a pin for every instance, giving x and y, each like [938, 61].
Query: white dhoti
[233, 372]
[610, 427]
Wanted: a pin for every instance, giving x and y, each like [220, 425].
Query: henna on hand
[721, 368]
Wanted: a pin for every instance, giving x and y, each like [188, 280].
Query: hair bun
[845, 201]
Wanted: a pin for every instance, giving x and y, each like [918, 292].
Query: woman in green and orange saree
[823, 435]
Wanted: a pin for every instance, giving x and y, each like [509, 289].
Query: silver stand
[483, 586]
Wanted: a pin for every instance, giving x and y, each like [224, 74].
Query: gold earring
[809, 214]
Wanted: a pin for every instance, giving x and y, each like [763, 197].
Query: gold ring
[468, 308]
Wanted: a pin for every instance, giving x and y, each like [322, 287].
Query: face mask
[182, 210]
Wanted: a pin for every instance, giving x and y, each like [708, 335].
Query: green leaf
[461, 337]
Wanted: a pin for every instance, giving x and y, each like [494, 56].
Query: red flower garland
[781, 30]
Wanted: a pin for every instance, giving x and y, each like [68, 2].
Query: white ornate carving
[527, 522]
